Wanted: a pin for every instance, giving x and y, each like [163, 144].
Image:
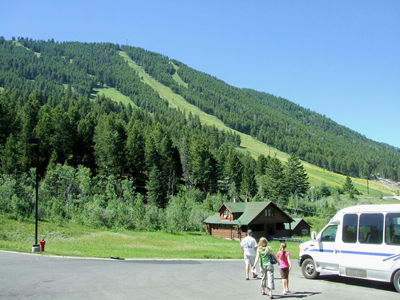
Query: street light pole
[36, 141]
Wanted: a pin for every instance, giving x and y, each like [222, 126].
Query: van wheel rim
[309, 269]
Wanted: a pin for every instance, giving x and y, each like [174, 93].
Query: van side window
[392, 229]
[371, 228]
[349, 232]
[329, 234]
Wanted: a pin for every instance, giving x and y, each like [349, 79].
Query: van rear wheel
[308, 269]
[396, 281]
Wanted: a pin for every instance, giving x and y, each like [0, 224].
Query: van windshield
[329, 234]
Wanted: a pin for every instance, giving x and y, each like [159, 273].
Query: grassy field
[113, 94]
[78, 241]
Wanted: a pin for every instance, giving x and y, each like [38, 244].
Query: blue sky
[338, 58]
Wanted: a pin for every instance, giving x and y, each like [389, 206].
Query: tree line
[106, 164]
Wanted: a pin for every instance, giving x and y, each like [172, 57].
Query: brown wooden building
[233, 219]
[299, 227]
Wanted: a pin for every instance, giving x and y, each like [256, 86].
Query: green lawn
[79, 241]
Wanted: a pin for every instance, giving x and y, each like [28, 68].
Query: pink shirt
[283, 261]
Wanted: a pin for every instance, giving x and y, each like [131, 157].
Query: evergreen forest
[147, 165]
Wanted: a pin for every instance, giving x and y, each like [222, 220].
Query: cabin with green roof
[233, 219]
[299, 227]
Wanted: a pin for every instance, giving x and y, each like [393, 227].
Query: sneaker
[255, 275]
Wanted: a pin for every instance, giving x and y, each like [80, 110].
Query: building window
[226, 214]
[269, 212]
[257, 227]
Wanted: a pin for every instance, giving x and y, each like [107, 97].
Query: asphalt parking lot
[37, 276]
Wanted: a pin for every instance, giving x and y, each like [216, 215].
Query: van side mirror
[313, 235]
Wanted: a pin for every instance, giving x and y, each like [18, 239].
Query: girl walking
[284, 267]
[267, 269]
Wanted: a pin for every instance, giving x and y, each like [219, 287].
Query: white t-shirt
[248, 244]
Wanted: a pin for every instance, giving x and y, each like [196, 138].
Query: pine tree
[135, 155]
[202, 166]
[233, 168]
[156, 192]
[9, 157]
[273, 183]
[349, 187]
[295, 176]
[248, 184]
[110, 140]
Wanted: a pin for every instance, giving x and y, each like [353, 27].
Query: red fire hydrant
[42, 242]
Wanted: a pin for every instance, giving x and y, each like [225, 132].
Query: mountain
[86, 68]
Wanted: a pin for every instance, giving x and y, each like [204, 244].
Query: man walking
[249, 247]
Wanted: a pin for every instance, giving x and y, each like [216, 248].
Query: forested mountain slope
[252, 145]
[50, 67]
[277, 121]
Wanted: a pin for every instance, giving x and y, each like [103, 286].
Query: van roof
[370, 208]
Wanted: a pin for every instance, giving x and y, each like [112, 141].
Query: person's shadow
[296, 295]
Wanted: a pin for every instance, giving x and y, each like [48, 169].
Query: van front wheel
[308, 269]
[396, 281]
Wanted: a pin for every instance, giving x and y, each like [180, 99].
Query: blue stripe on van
[365, 253]
[394, 257]
[319, 250]
[388, 256]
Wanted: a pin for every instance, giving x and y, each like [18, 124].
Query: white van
[360, 241]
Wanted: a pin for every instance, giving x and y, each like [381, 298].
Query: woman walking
[266, 267]
[284, 267]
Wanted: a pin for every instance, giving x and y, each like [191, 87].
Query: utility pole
[36, 141]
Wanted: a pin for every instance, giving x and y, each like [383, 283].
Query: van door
[326, 258]
[349, 247]
[364, 255]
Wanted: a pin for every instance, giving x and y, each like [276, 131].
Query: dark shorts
[284, 273]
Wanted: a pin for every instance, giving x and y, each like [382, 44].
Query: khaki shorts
[249, 259]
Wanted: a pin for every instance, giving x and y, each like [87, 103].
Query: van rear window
[392, 229]
[371, 228]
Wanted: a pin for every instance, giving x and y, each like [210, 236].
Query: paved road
[36, 276]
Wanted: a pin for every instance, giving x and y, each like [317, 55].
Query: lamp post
[36, 141]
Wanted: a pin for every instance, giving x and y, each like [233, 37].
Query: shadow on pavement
[358, 282]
